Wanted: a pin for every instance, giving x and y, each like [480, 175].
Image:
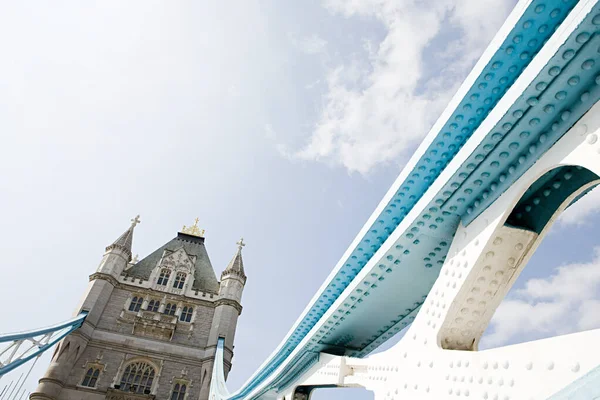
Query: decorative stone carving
[231, 303]
[154, 324]
[115, 394]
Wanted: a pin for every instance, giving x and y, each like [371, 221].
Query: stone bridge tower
[152, 326]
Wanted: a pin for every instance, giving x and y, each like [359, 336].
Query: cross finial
[241, 243]
[135, 221]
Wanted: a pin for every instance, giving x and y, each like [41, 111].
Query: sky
[284, 122]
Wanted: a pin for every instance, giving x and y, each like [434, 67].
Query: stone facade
[152, 326]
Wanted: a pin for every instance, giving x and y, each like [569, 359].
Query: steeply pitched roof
[204, 275]
[236, 263]
[123, 242]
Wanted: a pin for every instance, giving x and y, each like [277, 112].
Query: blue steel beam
[563, 90]
[24, 346]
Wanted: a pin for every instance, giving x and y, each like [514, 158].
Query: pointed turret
[236, 265]
[118, 254]
[94, 302]
[229, 305]
[124, 241]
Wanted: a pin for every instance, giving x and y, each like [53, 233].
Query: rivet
[554, 70]
[574, 80]
[582, 37]
[568, 54]
[560, 95]
[588, 64]
[581, 129]
[584, 97]
[592, 138]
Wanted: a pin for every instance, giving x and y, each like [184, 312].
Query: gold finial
[193, 230]
[240, 243]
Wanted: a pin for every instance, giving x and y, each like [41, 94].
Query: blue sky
[280, 121]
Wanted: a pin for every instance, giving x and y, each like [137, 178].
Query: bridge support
[438, 357]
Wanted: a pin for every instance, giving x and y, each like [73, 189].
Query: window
[137, 378]
[136, 303]
[91, 377]
[153, 305]
[165, 274]
[186, 314]
[179, 280]
[178, 392]
[170, 309]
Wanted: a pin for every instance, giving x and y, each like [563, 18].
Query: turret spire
[236, 265]
[124, 241]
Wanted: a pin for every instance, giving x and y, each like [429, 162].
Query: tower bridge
[516, 146]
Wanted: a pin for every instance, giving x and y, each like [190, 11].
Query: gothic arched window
[138, 378]
[186, 314]
[165, 274]
[170, 309]
[178, 392]
[179, 280]
[136, 303]
[153, 305]
[91, 377]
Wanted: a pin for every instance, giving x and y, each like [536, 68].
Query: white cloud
[375, 109]
[567, 301]
[579, 212]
